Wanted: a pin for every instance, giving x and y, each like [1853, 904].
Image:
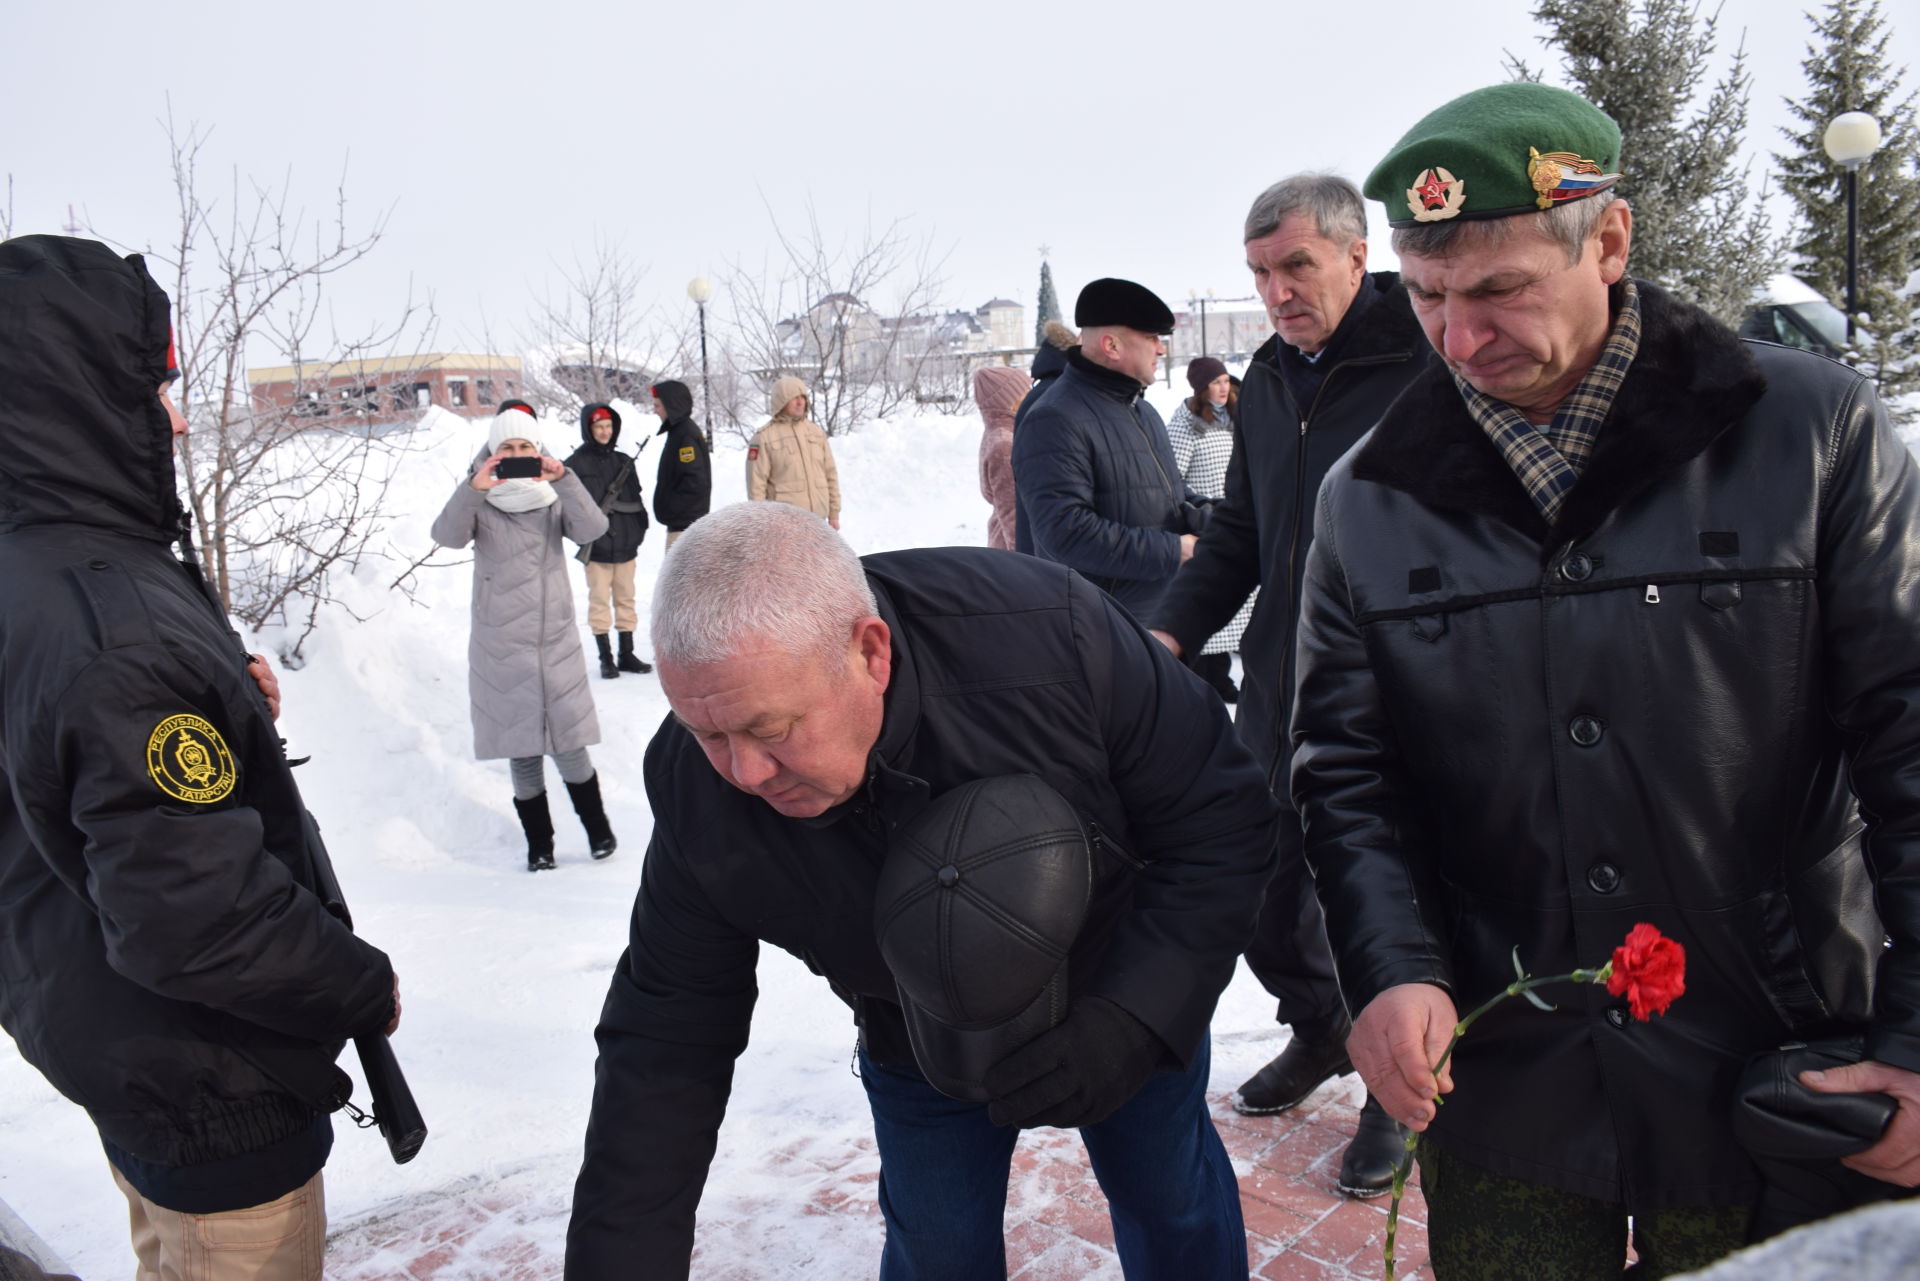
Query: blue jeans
[944, 1167]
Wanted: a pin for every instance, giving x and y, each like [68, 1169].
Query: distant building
[1231, 333]
[387, 390]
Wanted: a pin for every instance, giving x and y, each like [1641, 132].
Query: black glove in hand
[1077, 1074]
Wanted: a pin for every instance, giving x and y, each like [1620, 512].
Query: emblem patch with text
[686, 453]
[189, 761]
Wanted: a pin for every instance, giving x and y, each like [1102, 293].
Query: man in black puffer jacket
[683, 489]
[1094, 478]
[612, 480]
[819, 701]
[166, 958]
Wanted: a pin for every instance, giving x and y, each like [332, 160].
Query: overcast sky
[1126, 137]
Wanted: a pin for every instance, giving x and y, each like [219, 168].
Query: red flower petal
[1649, 969]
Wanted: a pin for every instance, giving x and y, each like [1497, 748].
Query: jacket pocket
[1824, 940]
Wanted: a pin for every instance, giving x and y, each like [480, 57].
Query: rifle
[394, 1110]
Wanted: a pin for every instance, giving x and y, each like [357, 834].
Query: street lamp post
[1850, 140]
[700, 289]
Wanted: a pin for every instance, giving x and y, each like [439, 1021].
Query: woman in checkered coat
[1201, 433]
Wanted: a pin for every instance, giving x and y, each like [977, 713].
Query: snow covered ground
[503, 972]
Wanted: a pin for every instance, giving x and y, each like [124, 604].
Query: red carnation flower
[1649, 969]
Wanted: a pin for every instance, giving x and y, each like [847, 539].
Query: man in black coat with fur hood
[1609, 623]
[167, 956]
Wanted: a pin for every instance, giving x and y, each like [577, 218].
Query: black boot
[1297, 1072]
[607, 668]
[630, 661]
[538, 825]
[593, 815]
[1378, 1146]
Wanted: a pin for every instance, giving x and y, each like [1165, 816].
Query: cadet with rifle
[174, 955]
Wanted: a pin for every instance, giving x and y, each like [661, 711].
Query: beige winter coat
[789, 460]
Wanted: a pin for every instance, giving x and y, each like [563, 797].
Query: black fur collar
[1692, 380]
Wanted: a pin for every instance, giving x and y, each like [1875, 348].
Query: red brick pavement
[1299, 1226]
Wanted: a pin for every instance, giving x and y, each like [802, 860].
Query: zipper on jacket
[1099, 841]
[1653, 594]
[1282, 689]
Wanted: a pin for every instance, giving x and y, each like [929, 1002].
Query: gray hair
[758, 571]
[1333, 203]
[1568, 225]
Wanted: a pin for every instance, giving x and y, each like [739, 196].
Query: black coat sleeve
[683, 486]
[1375, 878]
[192, 904]
[675, 1019]
[1223, 571]
[1199, 816]
[1869, 561]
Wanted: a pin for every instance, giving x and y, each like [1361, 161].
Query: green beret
[1503, 150]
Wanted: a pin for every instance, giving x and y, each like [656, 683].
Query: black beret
[1121, 302]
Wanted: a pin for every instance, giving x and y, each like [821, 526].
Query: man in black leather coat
[1345, 345]
[1611, 620]
[819, 701]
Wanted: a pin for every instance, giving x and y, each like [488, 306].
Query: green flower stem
[1404, 1169]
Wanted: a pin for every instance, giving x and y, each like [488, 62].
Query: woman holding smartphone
[527, 675]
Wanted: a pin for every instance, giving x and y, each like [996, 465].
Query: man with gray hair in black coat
[1345, 345]
[821, 703]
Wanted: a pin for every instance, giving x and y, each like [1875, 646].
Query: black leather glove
[1077, 1074]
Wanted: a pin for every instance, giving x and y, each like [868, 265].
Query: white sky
[1127, 137]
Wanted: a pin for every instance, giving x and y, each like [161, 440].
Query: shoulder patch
[753, 453]
[686, 453]
[189, 761]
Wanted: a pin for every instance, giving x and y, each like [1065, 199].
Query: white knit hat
[514, 424]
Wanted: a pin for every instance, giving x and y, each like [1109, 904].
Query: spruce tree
[1049, 306]
[1847, 70]
[1700, 226]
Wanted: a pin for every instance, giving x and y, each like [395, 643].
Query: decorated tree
[1049, 307]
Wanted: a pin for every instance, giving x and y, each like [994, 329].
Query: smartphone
[518, 468]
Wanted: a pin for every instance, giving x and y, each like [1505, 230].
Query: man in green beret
[1610, 620]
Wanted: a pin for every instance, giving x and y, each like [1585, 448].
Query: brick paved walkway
[1299, 1226]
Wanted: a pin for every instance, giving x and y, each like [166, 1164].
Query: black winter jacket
[683, 489]
[165, 959]
[1674, 706]
[1001, 664]
[1258, 536]
[1096, 486]
[598, 467]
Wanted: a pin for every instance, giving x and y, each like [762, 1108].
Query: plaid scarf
[1548, 460]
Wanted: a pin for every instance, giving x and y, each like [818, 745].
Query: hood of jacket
[785, 390]
[998, 391]
[84, 336]
[586, 420]
[677, 399]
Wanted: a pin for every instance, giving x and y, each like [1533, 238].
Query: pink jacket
[998, 391]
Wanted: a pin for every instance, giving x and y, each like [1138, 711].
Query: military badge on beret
[1435, 195]
[189, 761]
[1560, 176]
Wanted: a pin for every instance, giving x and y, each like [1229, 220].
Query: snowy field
[502, 972]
